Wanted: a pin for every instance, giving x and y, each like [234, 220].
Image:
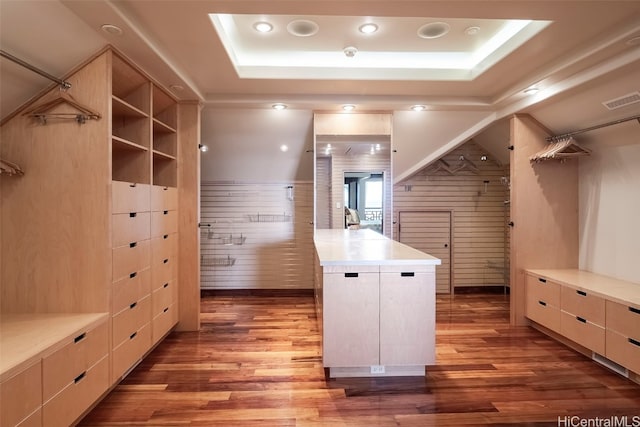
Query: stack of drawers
[131, 288]
[543, 301]
[623, 334]
[164, 243]
[583, 318]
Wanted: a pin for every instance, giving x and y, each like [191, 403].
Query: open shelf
[165, 171]
[159, 155]
[121, 144]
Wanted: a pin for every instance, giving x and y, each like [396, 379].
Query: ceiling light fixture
[302, 28]
[114, 30]
[279, 106]
[348, 107]
[350, 51]
[176, 88]
[368, 28]
[433, 30]
[262, 27]
[284, 148]
[203, 148]
[418, 107]
[472, 31]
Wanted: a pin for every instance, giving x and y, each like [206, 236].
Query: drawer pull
[581, 293]
[350, 274]
[133, 335]
[634, 342]
[165, 188]
[542, 303]
[634, 310]
[165, 212]
[77, 379]
[133, 245]
[133, 305]
[133, 185]
[132, 214]
[407, 274]
[80, 337]
[166, 260]
[542, 280]
[132, 275]
[166, 236]
[581, 319]
[165, 310]
[166, 285]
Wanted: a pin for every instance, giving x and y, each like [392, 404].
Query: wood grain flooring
[256, 362]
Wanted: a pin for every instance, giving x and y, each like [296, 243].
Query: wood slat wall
[277, 252]
[479, 217]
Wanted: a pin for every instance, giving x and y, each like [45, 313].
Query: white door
[430, 232]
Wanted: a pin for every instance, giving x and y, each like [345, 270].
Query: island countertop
[366, 247]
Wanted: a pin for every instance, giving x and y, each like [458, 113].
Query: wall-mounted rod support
[63, 84]
[570, 134]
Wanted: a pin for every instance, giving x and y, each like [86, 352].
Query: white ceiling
[583, 57]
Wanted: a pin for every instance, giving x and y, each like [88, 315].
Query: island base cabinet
[351, 318]
[407, 299]
[21, 398]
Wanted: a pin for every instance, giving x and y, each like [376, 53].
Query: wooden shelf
[159, 155]
[120, 107]
[161, 127]
[121, 144]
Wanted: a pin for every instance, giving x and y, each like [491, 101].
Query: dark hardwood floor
[256, 362]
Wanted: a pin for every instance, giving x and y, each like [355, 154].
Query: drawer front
[78, 396]
[131, 227]
[543, 313]
[163, 273]
[163, 247]
[135, 256]
[583, 304]
[164, 222]
[623, 350]
[164, 198]
[59, 369]
[33, 420]
[130, 289]
[163, 297]
[542, 289]
[127, 322]
[583, 332]
[624, 319]
[164, 321]
[130, 351]
[21, 395]
[129, 197]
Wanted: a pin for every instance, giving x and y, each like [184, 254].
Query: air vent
[623, 101]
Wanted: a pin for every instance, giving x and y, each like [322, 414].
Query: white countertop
[365, 247]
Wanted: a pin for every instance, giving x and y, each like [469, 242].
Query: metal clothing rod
[63, 84]
[570, 134]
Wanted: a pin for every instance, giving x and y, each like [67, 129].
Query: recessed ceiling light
[114, 30]
[471, 31]
[348, 107]
[302, 28]
[350, 51]
[262, 27]
[531, 90]
[418, 107]
[368, 28]
[283, 148]
[433, 30]
[176, 88]
[633, 41]
[279, 106]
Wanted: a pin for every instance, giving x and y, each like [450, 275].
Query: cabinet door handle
[133, 214]
[133, 185]
[165, 310]
[166, 285]
[165, 261]
[634, 342]
[166, 236]
[350, 274]
[542, 303]
[407, 274]
[581, 319]
[132, 275]
[542, 280]
[581, 293]
[80, 337]
[634, 310]
[133, 245]
[133, 335]
[165, 212]
[79, 377]
[133, 305]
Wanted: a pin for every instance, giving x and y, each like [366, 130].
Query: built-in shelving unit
[165, 139]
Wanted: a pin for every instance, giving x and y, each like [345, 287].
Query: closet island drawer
[130, 351]
[583, 332]
[583, 304]
[164, 198]
[542, 289]
[128, 259]
[65, 407]
[131, 319]
[130, 227]
[164, 222]
[129, 197]
[624, 319]
[130, 289]
[64, 366]
[21, 397]
[545, 314]
[623, 350]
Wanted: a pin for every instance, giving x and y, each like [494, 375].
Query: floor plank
[256, 362]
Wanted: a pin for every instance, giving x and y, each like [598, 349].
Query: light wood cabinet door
[164, 198]
[407, 317]
[351, 319]
[21, 396]
[129, 197]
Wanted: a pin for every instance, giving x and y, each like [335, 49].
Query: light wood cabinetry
[21, 397]
[623, 334]
[543, 302]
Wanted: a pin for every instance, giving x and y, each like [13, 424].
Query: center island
[375, 302]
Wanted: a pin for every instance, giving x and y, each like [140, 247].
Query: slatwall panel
[259, 238]
[341, 163]
[478, 216]
[323, 192]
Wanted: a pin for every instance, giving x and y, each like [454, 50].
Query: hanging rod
[63, 84]
[557, 138]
